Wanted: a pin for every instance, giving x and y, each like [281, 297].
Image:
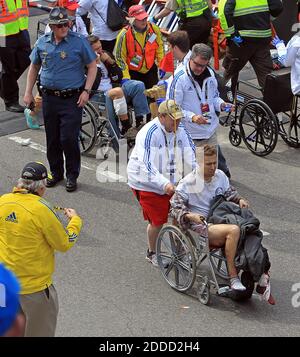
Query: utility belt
[63, 93]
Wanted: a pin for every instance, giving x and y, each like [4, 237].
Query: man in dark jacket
[247, 27]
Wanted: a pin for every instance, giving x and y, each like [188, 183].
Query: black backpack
[116, 17]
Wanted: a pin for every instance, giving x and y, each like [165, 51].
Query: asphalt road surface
[105, 285]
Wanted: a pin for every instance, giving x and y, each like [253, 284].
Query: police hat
[34, 171]
[58, 15]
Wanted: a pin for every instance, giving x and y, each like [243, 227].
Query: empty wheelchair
[259, 118]
[180, 255]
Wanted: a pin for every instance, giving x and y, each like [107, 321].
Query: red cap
[71, 4]
[138, 12]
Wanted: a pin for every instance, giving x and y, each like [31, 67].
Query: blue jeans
[134, 93]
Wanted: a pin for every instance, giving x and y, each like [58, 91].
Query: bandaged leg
[120, 106]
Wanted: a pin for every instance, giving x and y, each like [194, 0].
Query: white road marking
[109, 174]
[265, 233]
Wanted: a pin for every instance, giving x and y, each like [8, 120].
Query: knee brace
[120, 106]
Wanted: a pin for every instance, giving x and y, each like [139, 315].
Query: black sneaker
[52, 181]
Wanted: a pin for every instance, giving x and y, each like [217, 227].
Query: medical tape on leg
[120, 106]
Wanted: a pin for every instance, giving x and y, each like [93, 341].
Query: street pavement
[107, 288]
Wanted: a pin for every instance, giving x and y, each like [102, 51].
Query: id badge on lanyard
[136, 60]
[205, 112]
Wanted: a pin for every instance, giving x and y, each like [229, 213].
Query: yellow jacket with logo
[30, 232]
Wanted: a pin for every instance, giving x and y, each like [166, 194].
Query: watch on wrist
[87, 90]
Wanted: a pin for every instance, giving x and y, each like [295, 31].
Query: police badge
[63, 55]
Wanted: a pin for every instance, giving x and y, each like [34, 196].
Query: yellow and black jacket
[250, 19]
[30, 233]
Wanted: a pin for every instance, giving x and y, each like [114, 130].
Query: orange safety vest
[147, 52]
[13, 16]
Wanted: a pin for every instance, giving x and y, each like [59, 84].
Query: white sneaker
[152, 258]
[236, 284]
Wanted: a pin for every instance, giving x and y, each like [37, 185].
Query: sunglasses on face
[199, 65]
[59, 26]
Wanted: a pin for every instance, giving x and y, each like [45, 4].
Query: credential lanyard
[200, 96]
[171, 162]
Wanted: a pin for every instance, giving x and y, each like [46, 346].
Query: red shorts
[155, 207]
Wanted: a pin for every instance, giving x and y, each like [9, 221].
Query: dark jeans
[15, 59]
[198, 29]
[150, 78]
[256, 52]
[62, 118]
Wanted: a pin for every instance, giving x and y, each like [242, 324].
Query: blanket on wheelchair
[251, 255]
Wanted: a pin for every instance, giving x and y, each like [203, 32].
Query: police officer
[62, 56]
[14, 50]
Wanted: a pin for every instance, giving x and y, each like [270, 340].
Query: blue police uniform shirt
[62, 64]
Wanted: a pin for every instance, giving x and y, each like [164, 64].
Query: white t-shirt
[98, 11]
[105, 83]
[199, 194]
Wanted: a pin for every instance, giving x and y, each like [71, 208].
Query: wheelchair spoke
[85, 133]
[175, 258]
[258, 127]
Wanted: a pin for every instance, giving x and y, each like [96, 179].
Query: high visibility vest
[244, 16]
[192, 8]
[146, 53]
[13, 16]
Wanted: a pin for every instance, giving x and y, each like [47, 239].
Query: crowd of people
[176, 167]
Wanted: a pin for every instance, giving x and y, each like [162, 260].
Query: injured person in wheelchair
[206, 195]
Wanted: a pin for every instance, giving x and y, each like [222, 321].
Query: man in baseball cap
[34, 171]
[137, 12]
[12, 322]
[170, 108]
[71, 5]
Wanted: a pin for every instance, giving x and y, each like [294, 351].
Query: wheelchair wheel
[219, 263]
[176, 259]
[234, 137]
[258, 127]
[289, 129]
[88, 130]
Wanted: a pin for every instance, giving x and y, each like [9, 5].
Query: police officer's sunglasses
[65, 24]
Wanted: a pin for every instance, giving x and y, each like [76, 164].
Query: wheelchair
[180, 255]
[97, 130]
[259, 119]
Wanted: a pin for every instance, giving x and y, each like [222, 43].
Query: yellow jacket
[121, 52]
[30, 232]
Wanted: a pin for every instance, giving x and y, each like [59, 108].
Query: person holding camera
[30, 233]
